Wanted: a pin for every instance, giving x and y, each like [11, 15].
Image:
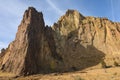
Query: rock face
[31, 50]
[87, 40]
[75, 42]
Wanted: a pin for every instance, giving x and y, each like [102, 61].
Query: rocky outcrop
[75, 42]
[87, 40]
[31, 51]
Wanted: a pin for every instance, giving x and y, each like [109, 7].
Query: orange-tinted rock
[75, 42]
[31, 51]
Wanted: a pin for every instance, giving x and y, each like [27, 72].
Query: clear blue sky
[11, 12]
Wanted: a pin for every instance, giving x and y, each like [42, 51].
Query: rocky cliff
[31, 50]
[75, 42]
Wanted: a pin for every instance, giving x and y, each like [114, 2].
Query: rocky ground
[95, 74]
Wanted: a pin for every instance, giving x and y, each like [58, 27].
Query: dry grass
[95, 74]
[5, 74]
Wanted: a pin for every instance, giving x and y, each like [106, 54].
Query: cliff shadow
[69, 55]
[77, 56]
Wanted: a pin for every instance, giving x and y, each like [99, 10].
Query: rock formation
[31, 51]
[75, 42]
[86, 40]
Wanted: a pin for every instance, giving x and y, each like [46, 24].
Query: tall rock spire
[33, 49]
[22, 54]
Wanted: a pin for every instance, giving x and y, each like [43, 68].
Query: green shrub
[115, 63]
[78, 78]
[103, 64]
[53, 65]
[2, 50]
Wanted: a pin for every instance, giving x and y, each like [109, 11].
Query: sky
[11, 12]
